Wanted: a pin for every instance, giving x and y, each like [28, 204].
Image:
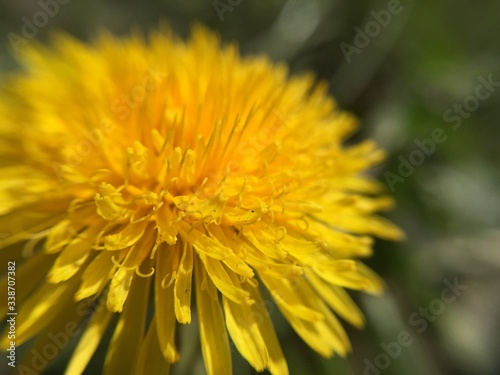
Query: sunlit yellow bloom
[137, 175]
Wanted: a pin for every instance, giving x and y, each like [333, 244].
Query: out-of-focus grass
[427, 59]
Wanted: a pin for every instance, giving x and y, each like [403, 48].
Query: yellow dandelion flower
[138, 175]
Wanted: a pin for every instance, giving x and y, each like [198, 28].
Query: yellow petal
[151, 359]
[225, 281]
[213, 248]
[127, 237]
[166, 262]
[201, 242]
[363, 184]
[338, 299]
[90, 340]
[96, 275]
[343, 245]
[331, 268]
[213, 336]
[73, 256]
[299, 248]
[363, 224]
[127, 338]
[285, 293]
[253, 334]
[123, 278]
[324, 335]
[254, 257]
[362, 279]
[183, 285]
[167, 231]
[108, 209]
[272, 268]
[267, 247]
[233, 261]
[209, 210]
[243, 216]
[59, 236]
[119, 289]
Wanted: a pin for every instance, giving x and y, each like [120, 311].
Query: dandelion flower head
[154, 179]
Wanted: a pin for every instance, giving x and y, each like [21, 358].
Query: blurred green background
[420, 66]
